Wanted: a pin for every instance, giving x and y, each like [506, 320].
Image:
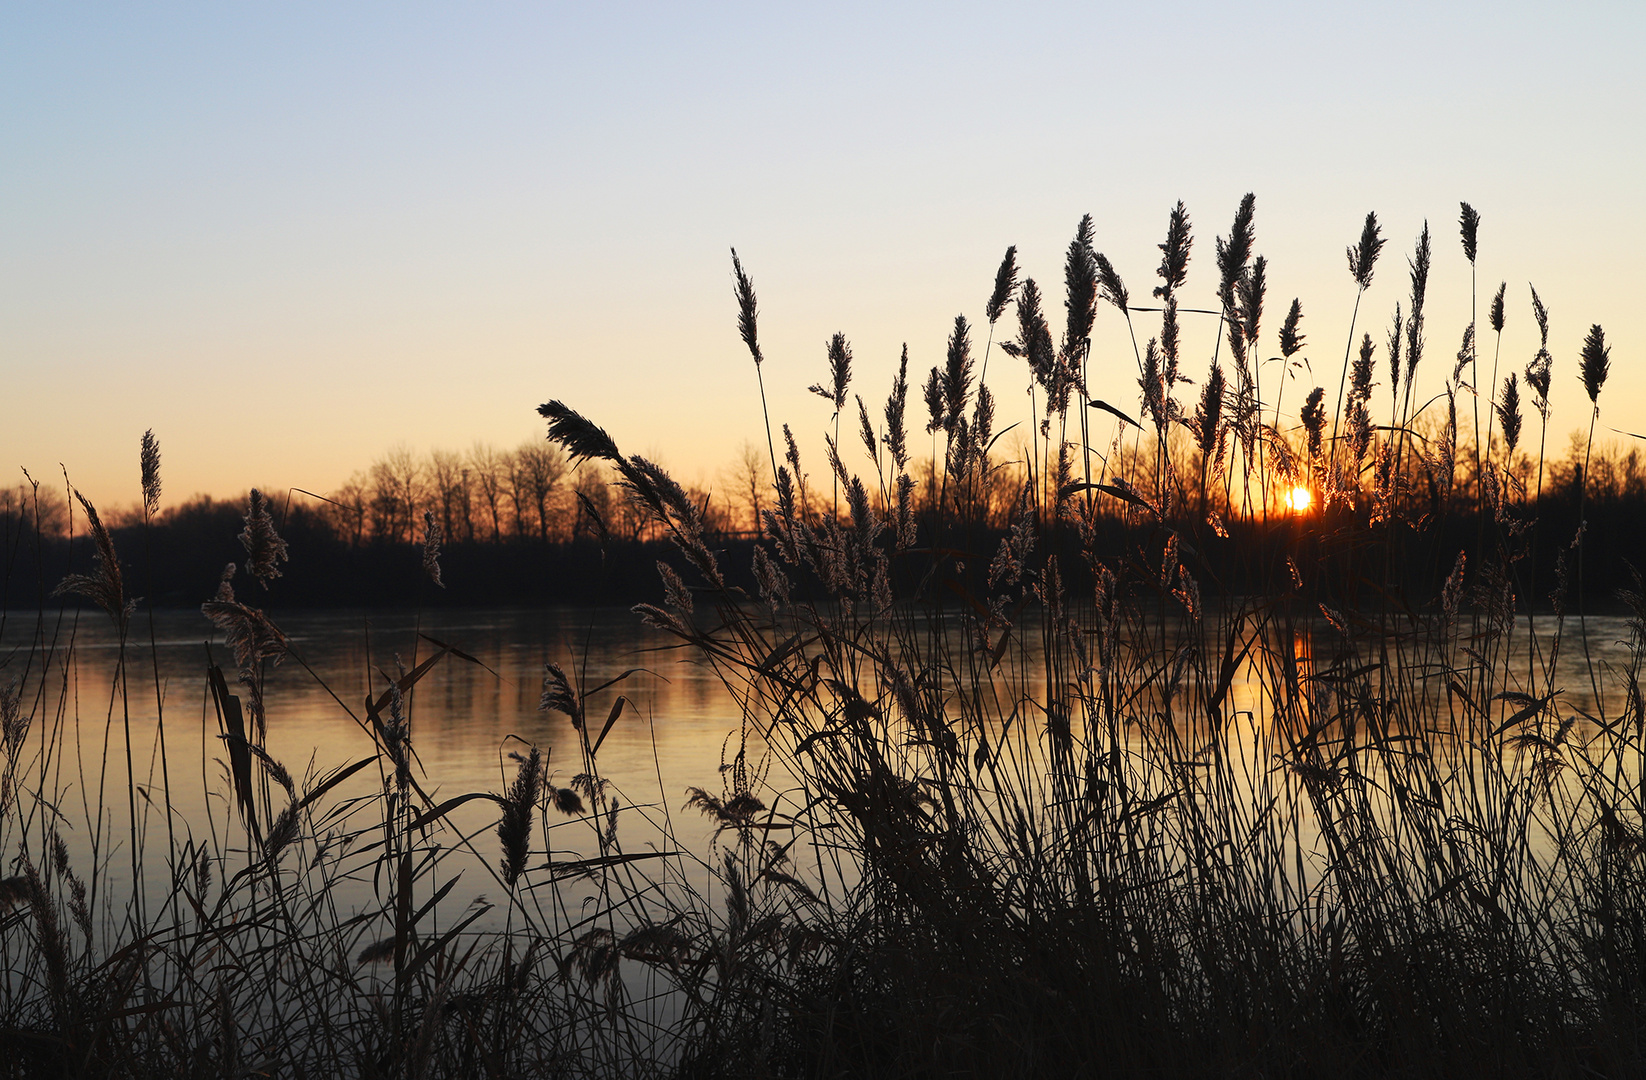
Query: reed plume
[1469, 227]
[1236, 251]
[935, 411]
[265, 550]
[743, 289]
[149, 465]
[1508, 414]
[514, 831]
[105, 585]
[957, 374]
[1596, 362]
[1005, 285]
[1291, 341]
[432, 534]
[1496, 316]
[1414, 323]
[1174, 253]
[1314, 418]
[1363, 256]
[840, 372]
[1109, 285]
[1080, 282]
[581, 439]
[897, 436]
[1250, 290]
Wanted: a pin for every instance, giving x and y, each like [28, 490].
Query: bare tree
[490, 479]
[746, 481]
[541, 466]
[450, 483]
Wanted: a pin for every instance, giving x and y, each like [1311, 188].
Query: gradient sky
[288, 237]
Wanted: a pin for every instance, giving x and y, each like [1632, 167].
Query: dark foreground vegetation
[1170, 778]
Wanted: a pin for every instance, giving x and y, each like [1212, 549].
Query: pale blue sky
[288, 237]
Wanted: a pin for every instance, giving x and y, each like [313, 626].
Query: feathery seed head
[514, 831]
[1508, 413]
[934, 401]
[1005, 285]
[1109, 285]
[1314, 418]
[1251, 287]
[1539, 375]
[1541, 314]
[1596, 362]
[743, 289]
[897, 437]
[1233, 253]
[149, 462]
[1363, 256]
[431, 548]
[105, 585]
[1497, 308]
[957, 375]
[1469, 226]
[1290, 340]
[1174, 259]
[840, 373]
[582, 439]
[1080, 281]
[264, 548]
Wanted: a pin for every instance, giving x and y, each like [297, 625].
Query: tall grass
[1165, 778]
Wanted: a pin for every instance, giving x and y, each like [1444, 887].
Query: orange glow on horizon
[1299, 499]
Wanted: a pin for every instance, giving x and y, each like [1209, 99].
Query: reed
[1155, 772]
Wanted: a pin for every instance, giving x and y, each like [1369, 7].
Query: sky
[290, 237]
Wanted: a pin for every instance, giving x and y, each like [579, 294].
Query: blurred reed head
[265, 550]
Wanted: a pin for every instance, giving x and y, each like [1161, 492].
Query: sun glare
[1299, 499]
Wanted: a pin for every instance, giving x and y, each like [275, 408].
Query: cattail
[104, 586]
[1496, 316]
[743, 289]
[1233, 253]
[840, 373]
[934, 401]
[1005, 284]
[1174, 260]
[432, 534]
[1508, 413]
[1596, 362]
[149, 462]
[1314, 418]
[897, 435]
[957, 374]
[1469, 225]
[264, 548]
[1363, 256]
[514, 831]
[1291, 342]
[1080, 282]
[1251, 288]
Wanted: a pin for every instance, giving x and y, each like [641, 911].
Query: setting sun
[1298, 499]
